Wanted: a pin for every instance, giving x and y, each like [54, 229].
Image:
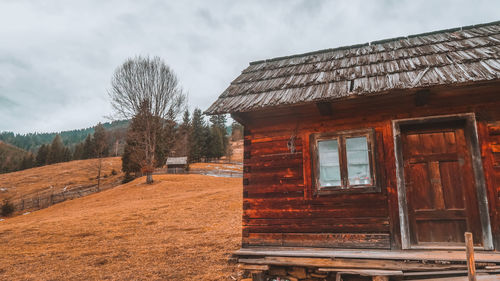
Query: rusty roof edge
[393, 39]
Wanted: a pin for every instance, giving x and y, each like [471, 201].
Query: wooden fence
[45, 199]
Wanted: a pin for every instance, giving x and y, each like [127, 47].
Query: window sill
[352, 190]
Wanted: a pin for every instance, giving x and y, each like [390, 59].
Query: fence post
[469, 251]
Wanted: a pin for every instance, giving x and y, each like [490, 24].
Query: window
[343, 162]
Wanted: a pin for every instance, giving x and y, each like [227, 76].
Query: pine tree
[183, 137]
[198, 140]
[28, 161]
[99, 142]
[165, 142]
[88, 148]
[67, 156]
[56, 151]
[133, 153]
[207, 142]
[78, 153]
[218, 136]
[41, 155]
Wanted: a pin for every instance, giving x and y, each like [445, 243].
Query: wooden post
[469, 250]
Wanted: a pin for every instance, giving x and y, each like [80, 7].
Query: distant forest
[193, 137]
[32, 141]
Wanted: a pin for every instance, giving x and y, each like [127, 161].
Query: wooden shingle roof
[452, 56]
[177, 160]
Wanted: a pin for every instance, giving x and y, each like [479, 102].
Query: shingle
[451, 56]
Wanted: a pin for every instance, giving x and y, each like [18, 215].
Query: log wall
[280, 208]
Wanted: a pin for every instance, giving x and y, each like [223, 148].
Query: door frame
[472, 140]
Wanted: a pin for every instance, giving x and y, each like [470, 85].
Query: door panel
[441, 195]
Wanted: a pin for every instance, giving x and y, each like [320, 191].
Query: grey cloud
[57, 58]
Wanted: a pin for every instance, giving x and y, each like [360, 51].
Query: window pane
[358, 163]
[329, 169]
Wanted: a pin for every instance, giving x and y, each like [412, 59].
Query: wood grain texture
[279, 195]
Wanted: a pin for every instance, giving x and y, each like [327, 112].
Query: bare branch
[148, 88]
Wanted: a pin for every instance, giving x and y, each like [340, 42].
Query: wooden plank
[446, 272]
[276, 164]
[339, 263]
[261, 176]
[313, 212]
[258, 267]
[318, 221]
[494, 129]
[495, 147]
[317, 225]
[348, 240]
[464, 278]
[307, 166]
[363, 272]
[436, 186]
[389, 163]
[490, 172]
[354, 240]
[285, 187]
[438, 255]
[477, 136]
[314, 227]
[279, 194]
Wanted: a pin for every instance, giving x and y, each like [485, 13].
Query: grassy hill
[52, 179]
[182, 227]
[10, 157]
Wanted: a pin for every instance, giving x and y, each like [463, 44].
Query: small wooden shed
[388, 151]
[176, 165]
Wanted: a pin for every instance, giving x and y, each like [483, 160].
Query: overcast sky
[57, 57]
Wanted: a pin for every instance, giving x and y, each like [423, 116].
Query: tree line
[95, 145]
[33, 141]
[195, 137]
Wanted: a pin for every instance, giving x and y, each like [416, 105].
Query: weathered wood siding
[492, 151]
[279, 207]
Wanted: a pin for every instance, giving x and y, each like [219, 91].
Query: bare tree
[148, 88]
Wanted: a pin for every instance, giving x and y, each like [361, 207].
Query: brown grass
[182, 227]
[54, 178]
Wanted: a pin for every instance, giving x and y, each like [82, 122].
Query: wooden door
[440, 190]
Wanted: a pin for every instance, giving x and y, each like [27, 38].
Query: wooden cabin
[373, 158]
[176, 165]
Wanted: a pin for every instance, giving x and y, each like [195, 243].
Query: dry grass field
[182, 227]
[54, 178]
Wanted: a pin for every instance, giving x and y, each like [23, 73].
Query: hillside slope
[10, 157]
[182, 227]
[52, 179]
